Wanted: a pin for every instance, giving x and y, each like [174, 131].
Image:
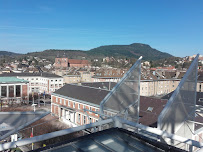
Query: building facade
[39, 82]
[65, 63]
[69, 102]
[13, 89]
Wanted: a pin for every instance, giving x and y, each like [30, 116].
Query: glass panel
[181, 105]
[124, 97]
[18, 90]
[90, 146]
[115, 144]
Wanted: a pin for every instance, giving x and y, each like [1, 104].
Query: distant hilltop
[7, 53]
[134, 50]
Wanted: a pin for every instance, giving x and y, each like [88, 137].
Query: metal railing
[117, 122]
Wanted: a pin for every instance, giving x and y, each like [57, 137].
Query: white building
[39, 82]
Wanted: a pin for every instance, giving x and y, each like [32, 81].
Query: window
[4, 91]
[78, 106]
[56, 99]
[64, 102]
[73, 104]
[150, 109]
[60, 101]
[90, 109]
[55, 80]
[84, 120]
[78, 118]
[68, 103]
[90, 120]
[18, 90]
[200, 100]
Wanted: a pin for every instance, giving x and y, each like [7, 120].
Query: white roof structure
[180, 109]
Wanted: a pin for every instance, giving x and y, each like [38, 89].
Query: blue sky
[172, 26]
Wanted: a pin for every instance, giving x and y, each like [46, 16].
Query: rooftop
[93, 95]
[113, 139]
[43, 74]
[11, 80]
[102, 85]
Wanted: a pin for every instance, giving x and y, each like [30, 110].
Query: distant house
[65, 62]
[108, 75]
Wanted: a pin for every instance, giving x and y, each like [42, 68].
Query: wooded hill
[134, 50]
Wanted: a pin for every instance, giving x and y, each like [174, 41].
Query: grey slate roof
[83, 93]
[95, 96]
[43, 74]
[102, 85]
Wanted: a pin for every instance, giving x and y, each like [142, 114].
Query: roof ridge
[87, 86]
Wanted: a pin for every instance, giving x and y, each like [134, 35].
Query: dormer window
[150, 109]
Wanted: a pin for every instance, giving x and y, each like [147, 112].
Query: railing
[105, 124]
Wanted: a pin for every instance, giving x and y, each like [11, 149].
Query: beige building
[157, 87]
[72, 79]
[85, 76]
[77, 77]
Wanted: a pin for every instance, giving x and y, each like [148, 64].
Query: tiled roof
[110, 73]
[200, 76]
[170, 75]
[75, 61]
[43, 74]
[147, 117]
[181, 75]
